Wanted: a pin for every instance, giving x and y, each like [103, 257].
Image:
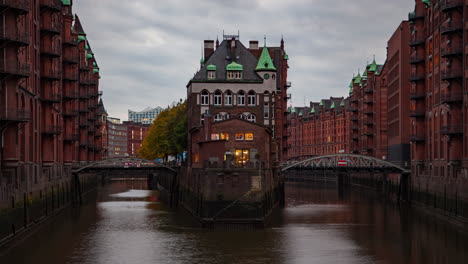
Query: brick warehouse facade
[439, 104]
[49, 99]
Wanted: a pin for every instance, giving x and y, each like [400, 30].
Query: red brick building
[136, 132]
[320, 129]
[439, 104]
[49, 96]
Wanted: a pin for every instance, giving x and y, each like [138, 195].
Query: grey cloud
[148, 50]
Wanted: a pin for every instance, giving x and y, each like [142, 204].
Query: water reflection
[127, 224]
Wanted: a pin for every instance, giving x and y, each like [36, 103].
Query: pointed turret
[342, 103]
[357, 80]
[264, 62]
[332, 105]
[312, 111]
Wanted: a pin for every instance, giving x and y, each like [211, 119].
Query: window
[217, 98]
[234, 75]
[242, 156]
[251, 118]
[224, 136]
[218, 117]
[202, 119]
[205, 99]
[228, 98]
[249, 136]
[241, 98]
[214, 136]
[266, 110]
[251, 98]
[239, 136]
[211, 75]
[243, 116]
[227, 116]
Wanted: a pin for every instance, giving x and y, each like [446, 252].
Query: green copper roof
[358, 79]
[95, 70]
[300, 112]
[365, 74]
[342, 103]
[350, 90]
[265, 63]
[293, 110]
[373, 66]
[312, 111]
[286, 57]
[86, 47]
[66, 2]
[351, 83]
[427, 2]
[321, 103]
[81, 38]
[89, 56]
[333, 105]
[233, 66]
[211, 67]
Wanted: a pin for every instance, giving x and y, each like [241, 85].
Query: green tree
[167, 135]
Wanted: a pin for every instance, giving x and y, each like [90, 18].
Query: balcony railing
[14, 67]
[52, 97]
[417, 113]
[416, 95]
[15, 115]
[50, 73]
[70, 58]
[451, 129]
[416, 41]
[51, 28]
[451, 27]
[446, 5]
[417, 137]
[451, 74]
[72, 137]
[413, 16]
[70, 95]
[19, 5]
[451, 97]
[416, 58]
[451, 50]
[70, 113]
[51, 50]
[414, 77]
[52, 130]
[70, 76]
[55, 5]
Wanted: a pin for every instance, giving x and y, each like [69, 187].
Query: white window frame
[218, 98]
[266, 110]
[251, 118]
[204, 98]
[251, 98]
[241, 98]
[228, 98]
[211, 75]
[218, 117]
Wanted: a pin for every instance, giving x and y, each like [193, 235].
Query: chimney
[208, 49]
[253, 45]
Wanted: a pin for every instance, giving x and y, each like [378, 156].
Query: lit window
[224, 136]
[228, 98]
[214, 136]
[251, 98]
[205, 99]
[217, 98]
[239, 136]
[241, 98]
[248, 136]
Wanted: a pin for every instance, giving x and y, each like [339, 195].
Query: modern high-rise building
[146, 116]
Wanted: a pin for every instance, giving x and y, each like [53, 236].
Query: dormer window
[211, 72]
[234, 71]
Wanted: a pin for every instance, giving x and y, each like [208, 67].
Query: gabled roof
[264, 62]
[78, 27]
[222, 57]
[101, 108]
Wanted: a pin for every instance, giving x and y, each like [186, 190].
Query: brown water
[126, 225]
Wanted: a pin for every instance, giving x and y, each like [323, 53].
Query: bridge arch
[112, 161]
[348, 161]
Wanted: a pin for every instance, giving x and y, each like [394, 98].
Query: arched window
[227, 116]
[251, 118]
[242, 116]
[251, 98]
[228, 98]
[218, 117]
[217, 98]
[205, 98]
[241, 98]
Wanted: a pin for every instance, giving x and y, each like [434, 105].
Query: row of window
[220, 117]
[218, 98]
[239, 136]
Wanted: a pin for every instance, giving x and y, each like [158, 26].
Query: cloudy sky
[149, 49]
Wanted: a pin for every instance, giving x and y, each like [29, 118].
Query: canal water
[125, 223]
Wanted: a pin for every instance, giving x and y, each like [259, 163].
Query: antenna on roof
[264, 40]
